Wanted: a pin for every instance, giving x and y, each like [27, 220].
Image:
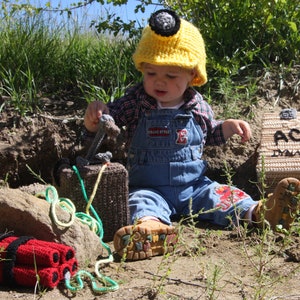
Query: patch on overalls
[158, 131]
[182, 136]
[229, 196]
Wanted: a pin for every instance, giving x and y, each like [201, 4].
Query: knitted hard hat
[170, 40]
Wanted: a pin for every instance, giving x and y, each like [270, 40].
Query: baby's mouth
[160, 93]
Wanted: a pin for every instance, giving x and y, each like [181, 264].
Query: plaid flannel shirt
[127, 110]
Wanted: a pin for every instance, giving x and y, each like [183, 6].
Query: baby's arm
[240, 127]
[92, 115]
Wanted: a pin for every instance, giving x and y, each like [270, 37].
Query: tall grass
[37, 58]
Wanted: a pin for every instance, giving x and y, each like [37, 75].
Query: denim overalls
[166, 172]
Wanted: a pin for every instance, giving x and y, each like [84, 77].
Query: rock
[27, 215]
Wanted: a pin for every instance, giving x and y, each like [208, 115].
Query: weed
[37, 176]
[92, 92]
[164, 268]
[4, 182]
[213, 281]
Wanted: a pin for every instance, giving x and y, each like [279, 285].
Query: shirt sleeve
[124, 109]
[216, 136]
[211, 127]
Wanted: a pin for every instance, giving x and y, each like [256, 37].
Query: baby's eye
[150, 73]
[171, 76]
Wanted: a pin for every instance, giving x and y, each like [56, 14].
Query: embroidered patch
[158, 131]
[229, 196]
[182, 136]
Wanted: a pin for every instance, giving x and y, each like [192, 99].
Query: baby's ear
[143, 65]
[193, 74]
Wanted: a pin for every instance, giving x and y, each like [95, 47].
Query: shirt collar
[149, 103]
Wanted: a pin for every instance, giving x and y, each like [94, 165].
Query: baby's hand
[92, 115]
[240, 127]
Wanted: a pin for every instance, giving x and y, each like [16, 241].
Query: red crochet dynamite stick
[32, 255]
[27, 276]
[48, 277]
[66, 252]
[71, 266]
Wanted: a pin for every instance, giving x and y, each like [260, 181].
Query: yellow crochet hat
[170, 40]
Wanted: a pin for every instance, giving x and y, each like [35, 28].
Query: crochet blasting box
[279, 152]
[111, 198]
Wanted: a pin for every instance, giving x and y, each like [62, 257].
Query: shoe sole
[287, 193]
[136, 242]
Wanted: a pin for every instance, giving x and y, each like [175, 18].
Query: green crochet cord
[95, 224]
[100, 225]
[84, 274]
[51, 196]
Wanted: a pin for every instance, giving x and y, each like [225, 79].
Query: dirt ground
[209, 262]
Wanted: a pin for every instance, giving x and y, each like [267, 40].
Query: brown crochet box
[111, 198]
[279, 151]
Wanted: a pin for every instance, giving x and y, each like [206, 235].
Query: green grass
[38, 60]
[42, 56]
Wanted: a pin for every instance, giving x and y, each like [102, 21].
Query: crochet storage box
[279, 152]
[111, 199]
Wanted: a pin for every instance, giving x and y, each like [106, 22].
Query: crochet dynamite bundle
[25, 260]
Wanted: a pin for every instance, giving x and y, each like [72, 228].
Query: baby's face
[166, 84]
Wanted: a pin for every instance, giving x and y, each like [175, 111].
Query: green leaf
[269, 18]
[293, 26]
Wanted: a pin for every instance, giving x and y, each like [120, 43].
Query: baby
[168, 124]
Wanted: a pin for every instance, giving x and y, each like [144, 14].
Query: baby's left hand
[240, 127]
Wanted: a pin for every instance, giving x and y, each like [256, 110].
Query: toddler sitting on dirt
[167, 125]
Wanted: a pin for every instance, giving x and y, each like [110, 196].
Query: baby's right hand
[92, 115]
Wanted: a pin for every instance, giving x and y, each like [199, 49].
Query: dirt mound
[31, 145]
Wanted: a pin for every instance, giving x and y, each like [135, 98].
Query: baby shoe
[281, 207]
[144, 239]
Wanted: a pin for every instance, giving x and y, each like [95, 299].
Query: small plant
[37, 176]
[237, 96]
[164, 268]
[4, 182]
[92, 92]
[25, 100]
[212, 283]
